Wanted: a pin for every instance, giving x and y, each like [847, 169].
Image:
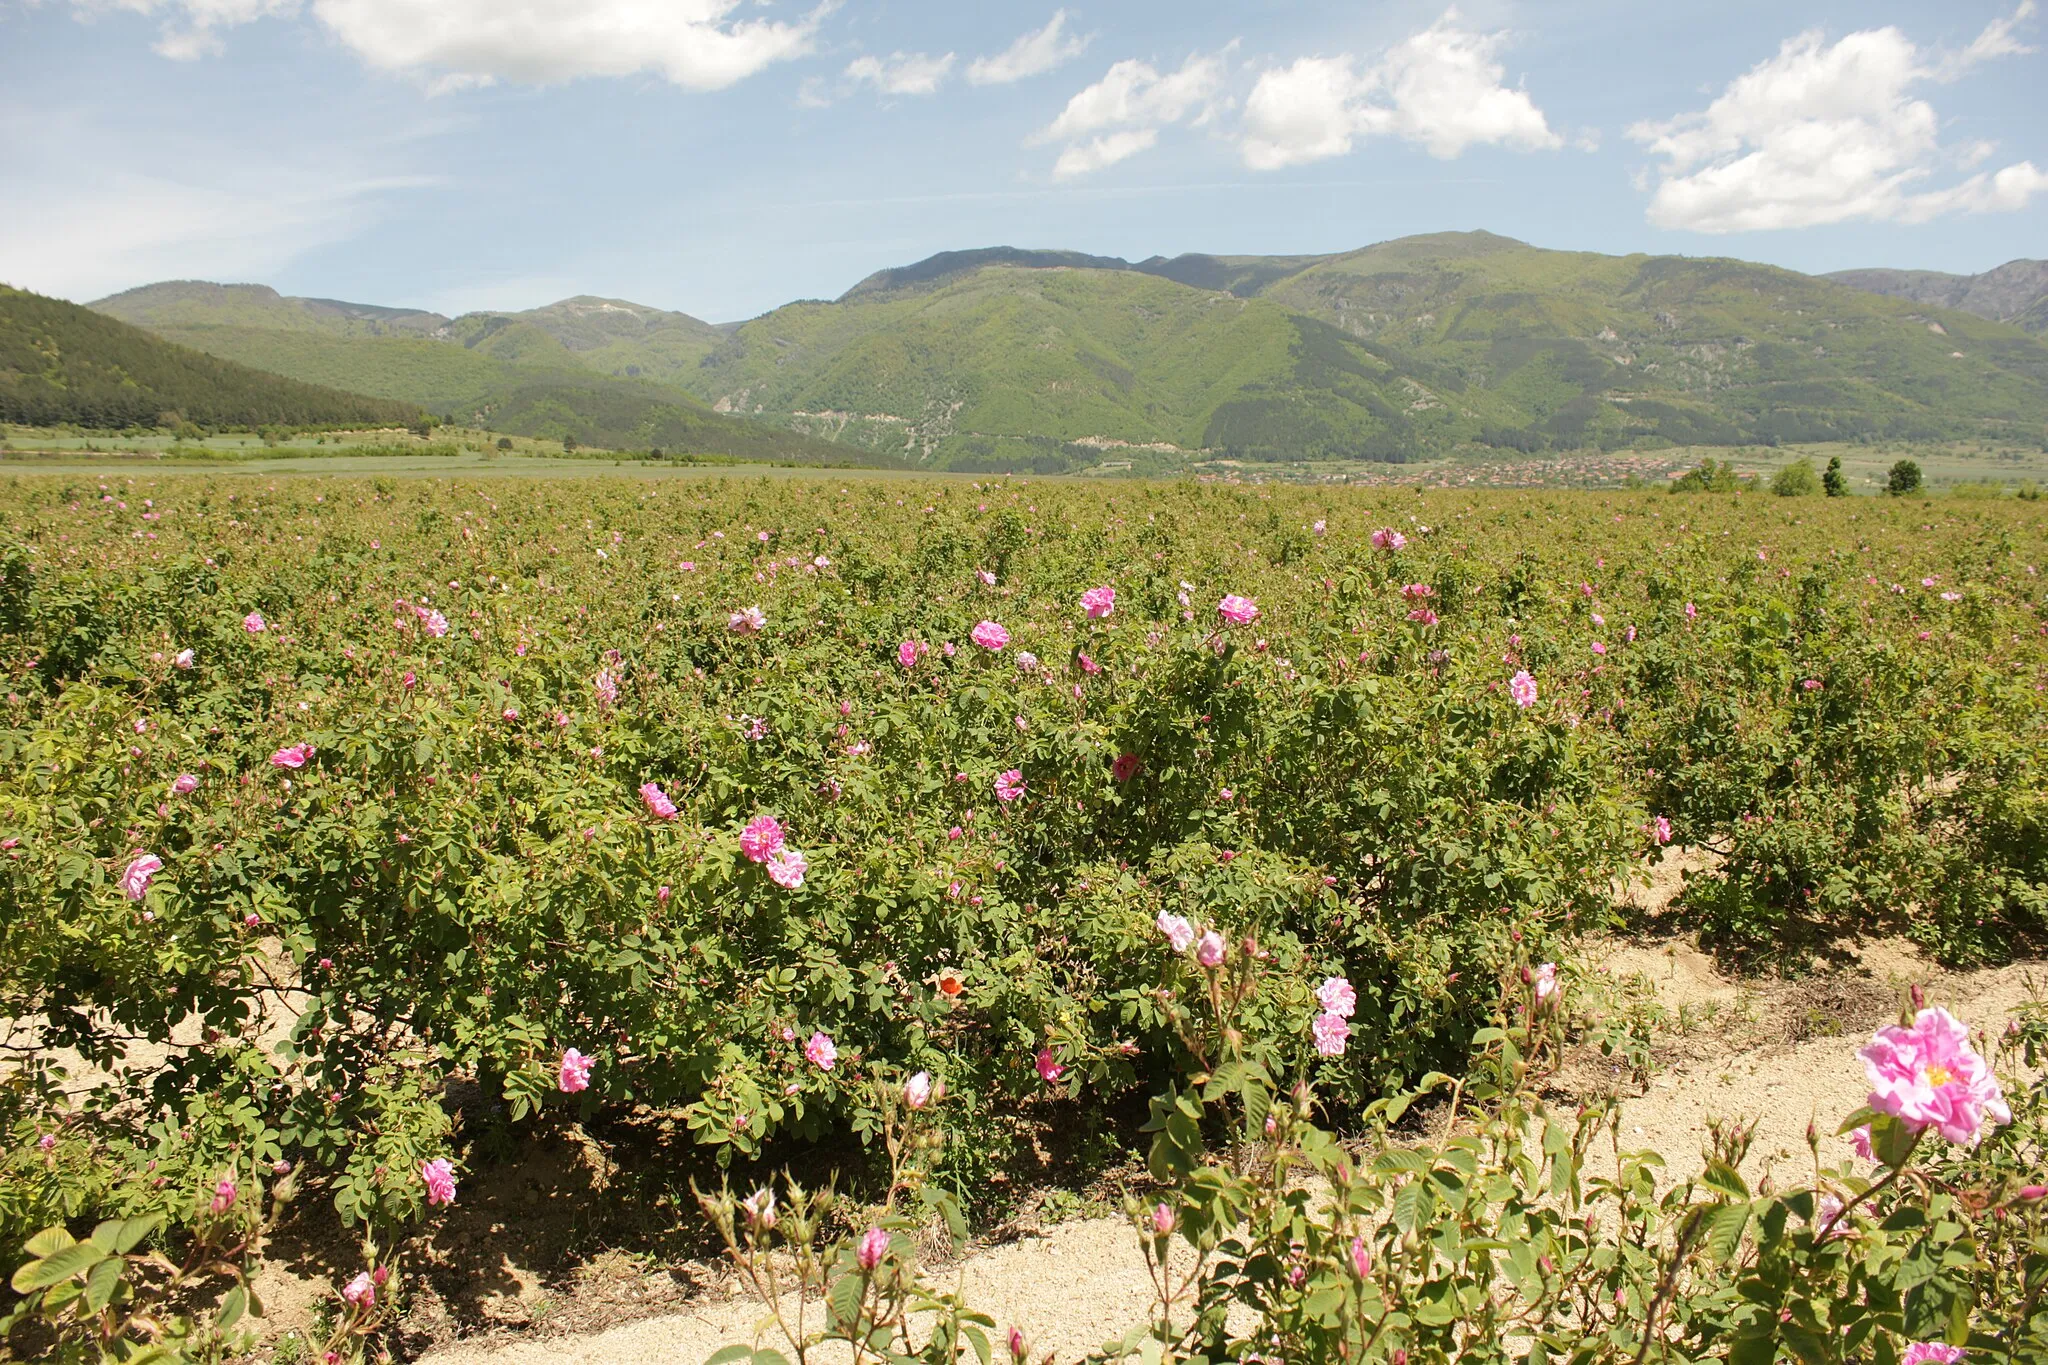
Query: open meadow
[1250, 849]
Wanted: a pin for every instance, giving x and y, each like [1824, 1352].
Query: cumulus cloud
[1827, 132]
[1034, 54]
[901, 73]
[1441, 88]
[1122, 114]
[697, 44]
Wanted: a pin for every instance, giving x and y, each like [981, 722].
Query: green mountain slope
[2016, 292]
[60, 363]
[198, 303]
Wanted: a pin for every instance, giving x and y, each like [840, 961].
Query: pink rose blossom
[1387, 538]
[223, 1195]
[439, 1179]
[254, 623]
[1049, 1070]
[988, 580]
[1660, 829]
[1088, 665]
[292, 756]
[360, 1292]
[1336, 997]
[786, 868]
[1691, 612]
[1163, 1220]
[747, 621]
[819, 1052]
[1928, 1075]
[657, 801]
[874, 1245]
[47, 1143]
[1239, 611]
[1599, 648]
[907, 653]
[1423, 615]
[606, 686]
[1931, 1353]
[1009, 785]
[1209, 949]
[1017, 1347]
[1099, 602]
[1544, 979]
[1417, 591]
[1125, 767]
[184, 658]
[917, 1091]
[184, 784]
[989, 635]
[761, 839]
[1331, 1031]
[1859, 1142]
[574, 1073]
[135, 881]
[1522, 688]
[1179, 933]
[433, 622]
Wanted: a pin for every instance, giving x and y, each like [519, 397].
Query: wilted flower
[439, 1179]
[1048, 1069]
[1125, 767]
[606, 686]
[760, 1207]
[1179, 933]
[1099, 602]
[786, 868]
[574, 1073]
[223, 1195]
[1928, 1075]
[183, 658]
[184, 784]
[989, 635]
[135, 880]
[360, 1292]
[292, 756]
[820, 1052]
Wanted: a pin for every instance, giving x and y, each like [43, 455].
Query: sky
[722, 157]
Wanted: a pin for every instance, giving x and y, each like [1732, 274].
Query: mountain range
[1017, 359]
[2016, 292]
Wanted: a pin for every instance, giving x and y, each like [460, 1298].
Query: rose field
[837, 848]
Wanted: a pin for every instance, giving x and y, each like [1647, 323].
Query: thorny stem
[1890, 1177]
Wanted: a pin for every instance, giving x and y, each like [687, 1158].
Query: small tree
[568, 443]
[1796, 480]
[1903, 480]
[1832, 482]
[504, 443]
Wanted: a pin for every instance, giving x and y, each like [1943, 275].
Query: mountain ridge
[2016, 292]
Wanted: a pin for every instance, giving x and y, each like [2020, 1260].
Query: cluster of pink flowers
[989, 635]
[1238, 611]
[1332, 1027]
[254, 623]
[439, 1178]
[1099, 602]
[657, 801]
[574, 1073]
[1927, 1075]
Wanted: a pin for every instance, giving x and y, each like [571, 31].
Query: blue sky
[725, 156]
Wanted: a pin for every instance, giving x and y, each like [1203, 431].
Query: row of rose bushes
[711, 797]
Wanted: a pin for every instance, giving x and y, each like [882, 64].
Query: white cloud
[1828, 132]
[1034, 54]
[1441, 88]
[696, 44]
[903, 73]
[1121, 114]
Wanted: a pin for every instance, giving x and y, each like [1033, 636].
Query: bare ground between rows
[532, 1270]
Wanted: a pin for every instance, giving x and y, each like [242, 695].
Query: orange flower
[951, 983]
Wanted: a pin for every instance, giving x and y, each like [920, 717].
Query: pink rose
[657, 801]
[786, 868]
[360, 1292]
[1179, 933]
[1099, 602]
[184, 658]
[1209, 949]
[1125, 767]
[1239, 611]
[989, 635]
[874, 1245]
[1522, 688]
[1387, 538]
[1336, 997]
[747, 621]
[439, 1179]
[254, 623]
[223, 1195]
[1544, 979]
[1660, 830]
[184, 784]
[1931, 1353]
[907, 653]
[1928, 1076]
[820, 1053]
[1049, 1070]
[917, 1091]
[1009, 785]
[1331, 1031]
[761, 839]
[135, 881]
[574, 1073]
[292, 756]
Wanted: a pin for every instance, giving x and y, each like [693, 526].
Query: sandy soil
[1777, 1054]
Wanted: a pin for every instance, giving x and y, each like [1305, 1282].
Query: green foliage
[1903, 479]
[60, 363]
[1832, 481]
[1797, 480]
[1713, 476]
[462, 880]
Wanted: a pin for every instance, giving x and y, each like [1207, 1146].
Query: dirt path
[1778, 1056]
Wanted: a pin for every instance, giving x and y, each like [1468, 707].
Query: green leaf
[232, 1305]
[1724, 1230]
[727, 1355]
[101, 1283]
[48, 1242]
[72, 1260]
